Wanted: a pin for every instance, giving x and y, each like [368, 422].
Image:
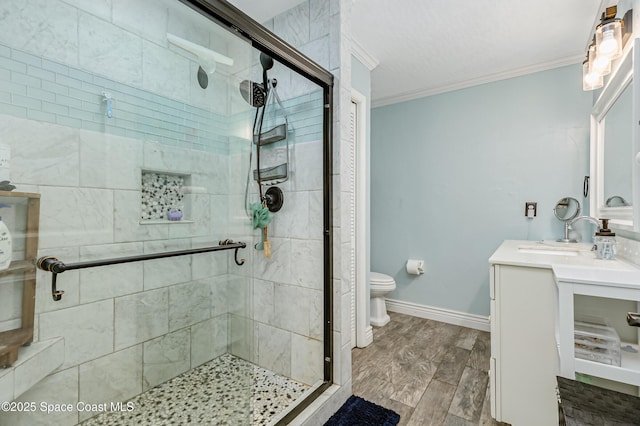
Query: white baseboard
[463, 319]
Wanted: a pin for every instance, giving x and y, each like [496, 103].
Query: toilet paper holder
[415, 267]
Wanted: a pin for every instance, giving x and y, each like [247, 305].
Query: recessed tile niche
[163, 193]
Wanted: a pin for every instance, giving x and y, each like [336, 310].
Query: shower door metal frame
[265, 41]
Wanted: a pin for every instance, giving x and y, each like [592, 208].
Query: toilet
[380, 285]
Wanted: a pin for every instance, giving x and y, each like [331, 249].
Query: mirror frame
[627, 217]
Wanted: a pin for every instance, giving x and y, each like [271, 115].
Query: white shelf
[598, 282]
[164, 222]
[628, 372]
[34, 363]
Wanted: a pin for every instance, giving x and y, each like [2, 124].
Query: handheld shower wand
[256, 94]
[267, 63]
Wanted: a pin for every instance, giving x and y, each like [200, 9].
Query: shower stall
[169, 183]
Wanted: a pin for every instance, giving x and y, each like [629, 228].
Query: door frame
[360, 174]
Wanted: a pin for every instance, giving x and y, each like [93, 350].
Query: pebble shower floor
[225, 391]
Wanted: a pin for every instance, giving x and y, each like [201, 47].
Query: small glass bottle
[605, 242]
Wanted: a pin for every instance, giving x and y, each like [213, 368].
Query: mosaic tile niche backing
[162, 196]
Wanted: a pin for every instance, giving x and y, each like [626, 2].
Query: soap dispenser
[605, 242]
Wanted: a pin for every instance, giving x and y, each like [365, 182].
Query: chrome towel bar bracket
[56, 266]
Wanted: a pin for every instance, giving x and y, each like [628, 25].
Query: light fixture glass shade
[609, 39]
[591, 80]
[599, 63]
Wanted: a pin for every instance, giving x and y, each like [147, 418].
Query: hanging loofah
[261, 217]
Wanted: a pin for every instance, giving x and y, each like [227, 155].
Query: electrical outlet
[530, 209]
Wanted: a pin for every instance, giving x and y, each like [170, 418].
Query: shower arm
[56, 266]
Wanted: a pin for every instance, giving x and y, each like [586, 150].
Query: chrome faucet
[569, 223]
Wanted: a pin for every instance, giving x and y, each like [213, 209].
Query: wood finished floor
[431, 373]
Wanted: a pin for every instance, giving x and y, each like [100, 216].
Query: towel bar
[56, 266]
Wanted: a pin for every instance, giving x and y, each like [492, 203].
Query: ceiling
[423, 47]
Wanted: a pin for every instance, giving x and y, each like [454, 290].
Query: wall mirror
[617, 150]
[614, 146]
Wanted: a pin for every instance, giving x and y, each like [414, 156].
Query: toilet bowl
[380, 285]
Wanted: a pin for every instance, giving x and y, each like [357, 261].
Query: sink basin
[555, 251]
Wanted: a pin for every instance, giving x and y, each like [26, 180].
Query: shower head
[203, 77]
[253, 93]
[267, 63]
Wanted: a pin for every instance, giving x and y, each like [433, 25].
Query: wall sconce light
[610, 36]
[591, 78]
[599, 63]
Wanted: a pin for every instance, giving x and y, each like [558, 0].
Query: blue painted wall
[450, 175]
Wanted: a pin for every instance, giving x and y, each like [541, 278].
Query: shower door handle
[633, 319]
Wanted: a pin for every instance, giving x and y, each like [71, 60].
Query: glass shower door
[142, 137]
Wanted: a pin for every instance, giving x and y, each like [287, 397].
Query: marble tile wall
[127, 327]
[41, 89]
[286, 291]
[629, 249]
[280, 298]
[115, 377]
[277, 311]
[328, 42]
[127, 23]
[58, 388]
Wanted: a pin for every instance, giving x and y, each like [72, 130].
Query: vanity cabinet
[524, 358]
[532, 323]
[620, 285]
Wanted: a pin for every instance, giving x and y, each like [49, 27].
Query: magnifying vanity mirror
[614, 146]
[566, 209]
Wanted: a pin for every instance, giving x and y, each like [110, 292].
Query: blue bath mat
[357, 411]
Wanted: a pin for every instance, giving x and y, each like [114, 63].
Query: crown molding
[363, 56]
[518, 72]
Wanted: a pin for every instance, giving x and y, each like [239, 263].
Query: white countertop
[581, 267]
[509, 254]
[629, 278]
